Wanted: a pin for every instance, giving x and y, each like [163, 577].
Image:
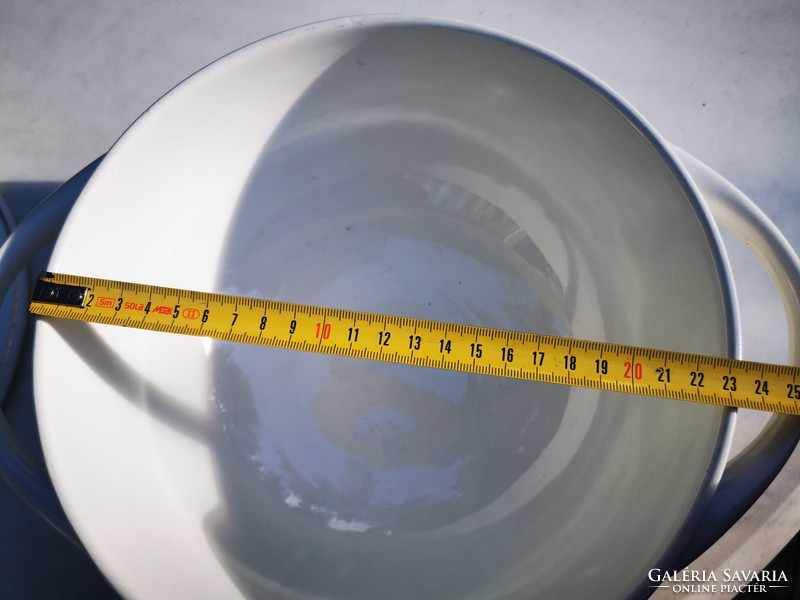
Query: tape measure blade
[433, 344]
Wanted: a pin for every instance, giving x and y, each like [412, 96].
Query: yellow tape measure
[629, 369]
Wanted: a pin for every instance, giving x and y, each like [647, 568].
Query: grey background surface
[720, 78]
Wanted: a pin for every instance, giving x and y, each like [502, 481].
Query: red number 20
[637, 370]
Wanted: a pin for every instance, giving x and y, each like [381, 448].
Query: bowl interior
[409, 169]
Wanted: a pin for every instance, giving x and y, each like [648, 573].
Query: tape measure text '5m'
[628, 369]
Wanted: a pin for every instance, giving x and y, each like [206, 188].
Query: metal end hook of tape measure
[420, 342]
[49, 292]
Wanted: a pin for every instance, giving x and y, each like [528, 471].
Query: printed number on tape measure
[424, 343]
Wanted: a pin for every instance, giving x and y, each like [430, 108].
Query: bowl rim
[706, 221]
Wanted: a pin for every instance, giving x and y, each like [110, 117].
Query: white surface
[342, 172]
[719, 79]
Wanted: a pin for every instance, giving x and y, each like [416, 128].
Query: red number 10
[325, 331]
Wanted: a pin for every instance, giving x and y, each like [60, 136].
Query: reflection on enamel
[351, 526]
[208, 346]
[293, 501]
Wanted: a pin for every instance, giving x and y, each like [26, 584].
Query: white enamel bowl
[409, 168]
